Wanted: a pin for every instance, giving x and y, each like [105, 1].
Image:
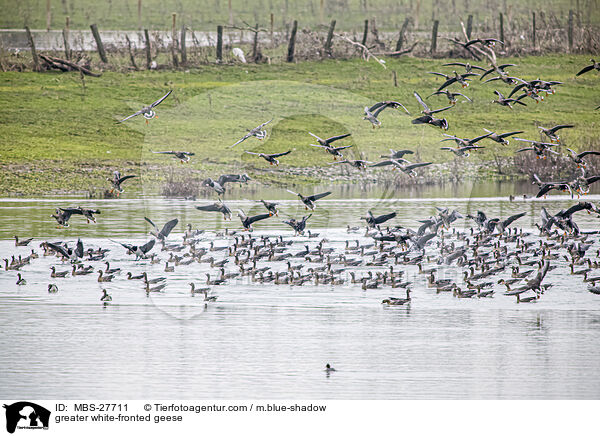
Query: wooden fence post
[434, 33]
[65, 33]
[365, 33]
[148, 52]
[182, 46]
[401, 36]
[36, 62]
[174, 40]
[48, 15]
[329, 38]
[395, 78]
[533, 29]
[501, 27]
[321, 11]
[469, 26]
[570, 30]
[230, 13]
[271, 30]
[139, 13]
[219, 43]
[292, 44]
[131, 54]
[99, 44]
[255, 44]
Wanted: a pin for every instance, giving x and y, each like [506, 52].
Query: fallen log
[65, 65]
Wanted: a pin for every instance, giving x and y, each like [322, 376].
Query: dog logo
[26, 415]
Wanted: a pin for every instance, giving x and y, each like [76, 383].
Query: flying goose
[217, 207]
[148, 111]
[358, 164]
[436, 122]
[508, 102]
[116, 182]
[271, 158]
[501, 138]
[407, 169]
[247, 221]
[462, 151]
[257, 132]
[451, 96]
[578, 157]
[463, 79]
[426, 110]
[551, 132]
[372, 112]
[164, 233]
[183, 156]
[62, 215]
[309, 201]
[298, 225]
[593, 66]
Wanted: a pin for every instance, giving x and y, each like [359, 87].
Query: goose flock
[492, 255]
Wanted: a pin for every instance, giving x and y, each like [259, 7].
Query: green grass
[350, 14]
[57, 136]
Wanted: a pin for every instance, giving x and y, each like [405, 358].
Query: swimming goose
[214, 282]
[103, 278]
[52, 288]
[105, 296]
[130, 276]
[82, 271]
[22, 243]
[393, 301]
[153, 281]
[60, 274]
[258, 132]
[21, 281]
[372, 112]
[169, 268]
[148, 111]
[156, 288]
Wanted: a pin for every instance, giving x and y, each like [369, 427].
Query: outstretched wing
[378, 107]
[251, 152]
[479, 138]
[246, 136]
[215, 207]
[151, 223]
[122, 179]
[319, 196]
[592, 179]
[255, 218]
[440, 110]
[131, 116]
[506, 135]
[168, 227]
[148, 246]
[342, 148]
[447, 83]
[58, 248]
[383, 163]
[417, 165]
[163, 152]
[281, 154]
[513, 218]
[585, 70]
[586, 153]
[336, 138]
[160, 100]
[420, 100]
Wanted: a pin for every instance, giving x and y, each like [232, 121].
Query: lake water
[270, 341]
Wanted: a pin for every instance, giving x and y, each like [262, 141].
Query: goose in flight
[216, 186]
[593, 66]
[183, 156]
[551, 132]
[148, 111]
[89, 214]
[486, 42]
[328, 141]
[463, 79]
[166, 230]
[62, 215]
[407, 169]
[426, 110]
[462, 151]
[501, 138]
[247, 221]
[358, 164]
[116, 182]
[298, 225]
[372, 112]
[271, 207]
[498, 69]
[309, 201]
[70, 253]
[334, 151]
[451, 96]
[436, 122]
[397, 154]
[468, 67]
[464, 142]
[271, 158]
[374, 221]
[140, 251]
[508, 102]
[578, 157]
[258, 132]
[540, 148]
[217, 207]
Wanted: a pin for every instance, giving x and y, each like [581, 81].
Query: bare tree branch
[365, 52]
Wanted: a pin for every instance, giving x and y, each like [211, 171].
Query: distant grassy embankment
[60, 136]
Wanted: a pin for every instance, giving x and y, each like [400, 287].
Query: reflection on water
[269, 341]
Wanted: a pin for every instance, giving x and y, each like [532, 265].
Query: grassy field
[59, 136]
[350, 14]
